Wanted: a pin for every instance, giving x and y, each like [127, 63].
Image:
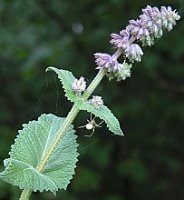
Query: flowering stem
[117, 53]
[94, 83]
[68, 120]
[136, 30]
[26, 193]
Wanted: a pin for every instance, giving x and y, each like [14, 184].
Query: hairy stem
[26, 193]
[94, 84]
[69, 119]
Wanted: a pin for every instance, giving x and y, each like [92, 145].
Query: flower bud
[96, 101]
[122, 74]
[79, 85]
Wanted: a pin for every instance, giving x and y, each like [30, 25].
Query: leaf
[31, 145]
[66, 78]
[103, 113]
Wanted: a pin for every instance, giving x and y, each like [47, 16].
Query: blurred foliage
[145, 164]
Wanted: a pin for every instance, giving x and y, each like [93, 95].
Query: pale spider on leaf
[91, 125]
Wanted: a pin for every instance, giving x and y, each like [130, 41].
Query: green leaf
[66, 78]
[103, 113]
[30, 147]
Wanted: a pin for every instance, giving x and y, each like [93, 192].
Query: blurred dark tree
[145, 164]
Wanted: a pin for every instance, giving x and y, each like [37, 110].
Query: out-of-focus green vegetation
[145, 164]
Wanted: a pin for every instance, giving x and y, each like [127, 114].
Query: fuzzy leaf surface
[29, 148]
[103, 113]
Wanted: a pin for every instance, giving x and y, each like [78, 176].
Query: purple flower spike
[142, 31]
[134, 52]
[104, 60]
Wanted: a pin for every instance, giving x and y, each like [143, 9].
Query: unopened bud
[96, 101]
[79, 85]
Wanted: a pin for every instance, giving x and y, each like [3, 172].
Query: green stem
[94, 83]
[69, 119]
[26, 193]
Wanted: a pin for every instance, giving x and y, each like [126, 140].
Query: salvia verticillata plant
[44, 155]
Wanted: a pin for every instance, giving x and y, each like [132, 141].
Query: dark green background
[145, 164]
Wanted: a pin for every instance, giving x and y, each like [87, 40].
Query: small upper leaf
[103, 113]
[30, 147]
[66, 78]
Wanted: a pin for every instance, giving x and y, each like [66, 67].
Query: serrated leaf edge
[11, 160]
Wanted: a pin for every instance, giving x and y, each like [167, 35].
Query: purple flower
[152, 19]
[151, 14]
[134, 52]
[122, 40]
[138, 28]
[169, 17]
[79, 85]
[104, 60]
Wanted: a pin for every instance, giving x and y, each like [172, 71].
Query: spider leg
[98, 125]
[83, 126]
[91, 116]
[90, 135]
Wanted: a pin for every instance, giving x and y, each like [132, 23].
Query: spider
[91, 125]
